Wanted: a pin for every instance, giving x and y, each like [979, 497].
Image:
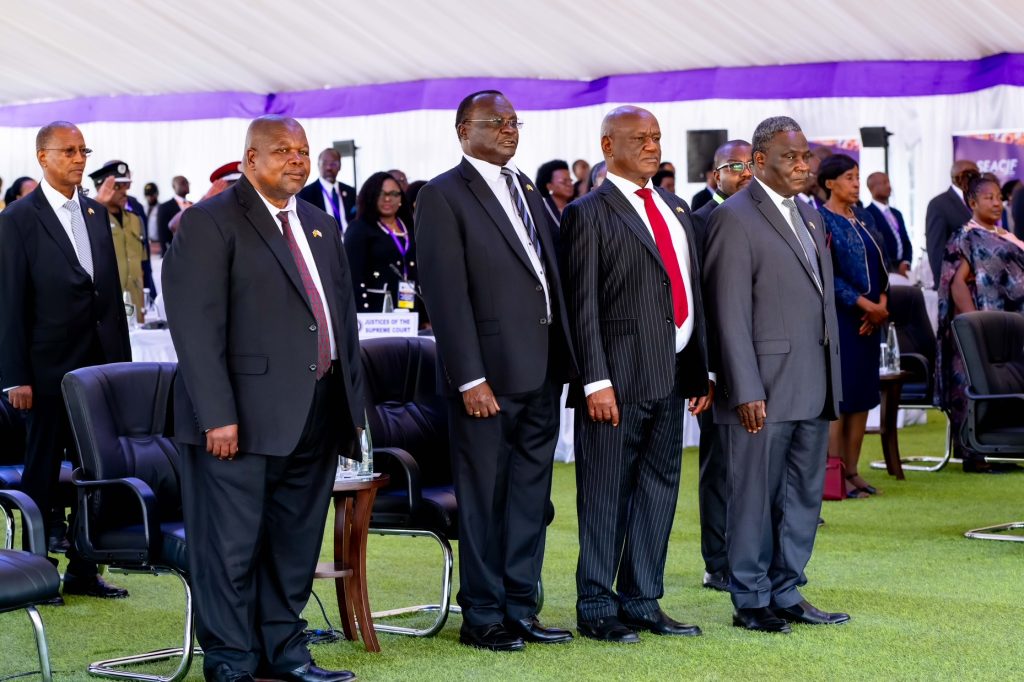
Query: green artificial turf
[927, 604]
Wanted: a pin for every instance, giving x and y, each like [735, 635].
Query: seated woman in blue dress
[861, 284]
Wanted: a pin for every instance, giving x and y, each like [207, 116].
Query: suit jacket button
[543, 320]
[312, 368]
[312, 327]
[669, 320]
[540, 288]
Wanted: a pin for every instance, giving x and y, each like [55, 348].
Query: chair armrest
[31, 519]
[412, 473]
[147, 502]
[919, 360]
[993, 396]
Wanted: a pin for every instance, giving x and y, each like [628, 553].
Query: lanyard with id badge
[406, 287]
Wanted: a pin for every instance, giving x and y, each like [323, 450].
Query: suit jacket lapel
[52, 225]
[486, 197]
[622, 208]
[679, 210]
[268, 229]
[772, 213]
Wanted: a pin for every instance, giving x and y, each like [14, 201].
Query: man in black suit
[268, 393]
[60, 309]
[732, 173]
[171, 208]
[704, 195]
[327, 194]
[632, 279]
[490, 281]
[768, 276]
[947, 213]
[889, 221]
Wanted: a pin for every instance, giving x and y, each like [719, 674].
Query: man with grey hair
[768, 277]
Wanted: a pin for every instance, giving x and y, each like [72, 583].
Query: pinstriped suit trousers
[627, 484]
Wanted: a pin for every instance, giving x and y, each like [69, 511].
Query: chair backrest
[992, 346]
[909, 315]
[121, 419]
[402, 405]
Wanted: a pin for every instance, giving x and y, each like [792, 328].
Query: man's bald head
[962, 166]
[618, 115]
[276, 158]
[46, 134]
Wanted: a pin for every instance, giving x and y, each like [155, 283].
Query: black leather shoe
[57, 544]
[94, 586]
[225, 673]
[608, 629]
[660, 624]
[56, 601]
[719, 580]
[493, 637]
[311, 672]
[805, 612]
[760, 620]
[531, 630]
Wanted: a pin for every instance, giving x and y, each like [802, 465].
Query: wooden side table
[891, 386]
[353, 501]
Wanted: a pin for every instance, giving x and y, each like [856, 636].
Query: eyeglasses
[391, 195]
[69, 152]
[737, 166]
[498, 123]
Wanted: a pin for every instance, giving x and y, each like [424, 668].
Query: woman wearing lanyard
[380, 249]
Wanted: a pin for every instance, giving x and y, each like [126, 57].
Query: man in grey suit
[632, 282]
[768, 277]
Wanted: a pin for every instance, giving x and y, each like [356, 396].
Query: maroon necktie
[323, 340]
[663, 239]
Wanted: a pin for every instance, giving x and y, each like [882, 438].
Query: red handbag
[834, 488]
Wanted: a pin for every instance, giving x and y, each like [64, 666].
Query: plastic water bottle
[894, 349]
[366, 447]
[129, 311]
[883, 357]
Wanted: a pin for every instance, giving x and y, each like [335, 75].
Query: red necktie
[663, 239]
[323, 340]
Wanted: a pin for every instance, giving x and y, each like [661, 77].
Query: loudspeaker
[347, 148]
[700, 152]
[874, 137]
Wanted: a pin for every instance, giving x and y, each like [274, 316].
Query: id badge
[406, 295]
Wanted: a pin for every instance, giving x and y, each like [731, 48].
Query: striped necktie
[81, 235]
[804, 236]
[520, 204]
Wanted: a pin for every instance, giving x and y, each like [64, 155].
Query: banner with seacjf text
[996, 151]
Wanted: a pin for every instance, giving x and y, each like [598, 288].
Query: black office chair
[909, 315]
[409, 425]
[27, 578]
[992, 346]
[129, 487]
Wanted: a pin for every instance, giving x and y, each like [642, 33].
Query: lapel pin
[529, 188]
[811, 224]
[90, 211]
[679, 209]
[316, 234]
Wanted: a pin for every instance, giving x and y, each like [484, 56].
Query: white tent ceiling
[54, 49]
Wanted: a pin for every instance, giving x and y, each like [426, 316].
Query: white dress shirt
[679, 245]
[57, 201]
[327, 187]
[307, 255]
[893, 225]
[497, 184]
[777, 199]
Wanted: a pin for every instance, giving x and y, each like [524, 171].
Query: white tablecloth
[152, 345]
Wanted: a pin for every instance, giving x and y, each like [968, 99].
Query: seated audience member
[947, 213]
[555, 185]
[380, 248]
[597, 175]
[18, 189]
[890, 225]
[666, 179]
[861, 286]
[983, 269]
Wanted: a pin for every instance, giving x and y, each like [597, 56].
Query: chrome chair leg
[927, 462]
[993, 532]
[44, 650]
[112, 668]
[442, 608]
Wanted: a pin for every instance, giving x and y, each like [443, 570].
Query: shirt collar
[56, 199]
[327, 185]
[776, 198]
[627, 187]
[487, 169]
[718, 197]
[274, 210]
[881, 207]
